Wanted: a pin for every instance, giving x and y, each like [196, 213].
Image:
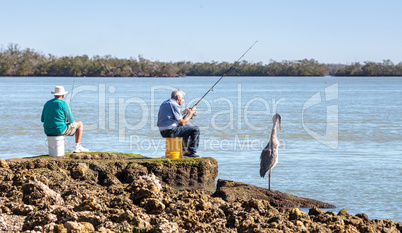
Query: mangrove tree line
[28, 62]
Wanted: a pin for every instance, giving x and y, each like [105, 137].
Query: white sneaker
[80, 148]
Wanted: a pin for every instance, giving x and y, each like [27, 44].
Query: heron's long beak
[280, 125]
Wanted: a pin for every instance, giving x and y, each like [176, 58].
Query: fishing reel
[186, 114]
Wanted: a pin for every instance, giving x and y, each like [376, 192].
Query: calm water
[340, 138]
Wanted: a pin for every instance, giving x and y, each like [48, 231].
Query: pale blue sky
[341, 31]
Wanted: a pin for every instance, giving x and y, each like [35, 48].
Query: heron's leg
[269, 180]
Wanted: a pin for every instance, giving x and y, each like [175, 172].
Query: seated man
[58, 120]
[172, 124]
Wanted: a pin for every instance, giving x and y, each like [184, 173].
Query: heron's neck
[274, 127]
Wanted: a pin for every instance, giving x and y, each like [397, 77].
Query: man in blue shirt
[172, 124]
[58, 120]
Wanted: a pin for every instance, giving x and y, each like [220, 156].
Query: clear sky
[341, 31]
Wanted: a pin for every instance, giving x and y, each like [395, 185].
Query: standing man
[172, 124]
[58, 120]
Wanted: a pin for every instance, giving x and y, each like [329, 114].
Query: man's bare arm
[184, 121]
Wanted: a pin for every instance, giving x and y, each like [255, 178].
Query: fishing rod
[225, 74]
[71, 96]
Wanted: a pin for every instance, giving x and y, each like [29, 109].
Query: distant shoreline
[326, 76]
[15, 62]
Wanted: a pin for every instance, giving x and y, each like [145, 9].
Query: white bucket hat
[59, 90]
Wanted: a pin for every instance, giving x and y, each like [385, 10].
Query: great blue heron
[269, 155]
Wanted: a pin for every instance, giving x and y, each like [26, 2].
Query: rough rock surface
[110, 169]
[236, 191]
[112, 194]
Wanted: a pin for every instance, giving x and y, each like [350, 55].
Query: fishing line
[71, 108]
[71, 96]
[225, 74]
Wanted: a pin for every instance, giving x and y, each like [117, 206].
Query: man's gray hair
[176, 93]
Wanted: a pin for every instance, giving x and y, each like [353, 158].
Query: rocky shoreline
[111, 192]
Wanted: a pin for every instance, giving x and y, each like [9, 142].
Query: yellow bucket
[173, 148]
[174, 155]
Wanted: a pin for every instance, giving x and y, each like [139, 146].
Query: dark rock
[202, 205]
[95, 218]
[296, 214]
[3, 163]
[73, 196]
[235, 191]
[52, 165]
[121, 202]
[329, 218]
[152, 206]
[315, 211]
[106, 173]
[6, 174]
[262, 206]
[80, 171]
[88, 205]
[6, 187]
[364, 217]
[59, 228]
[109, 180]
[116, 189]
[399, 226]
[162, 225]
[64, 214]
[343, 213]
[39, 194]
[21, 209]
[353, 220]
[5, 209]
[82, 227]
[145, 187]
[38, 218]
[142, 221]
[132, 171]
